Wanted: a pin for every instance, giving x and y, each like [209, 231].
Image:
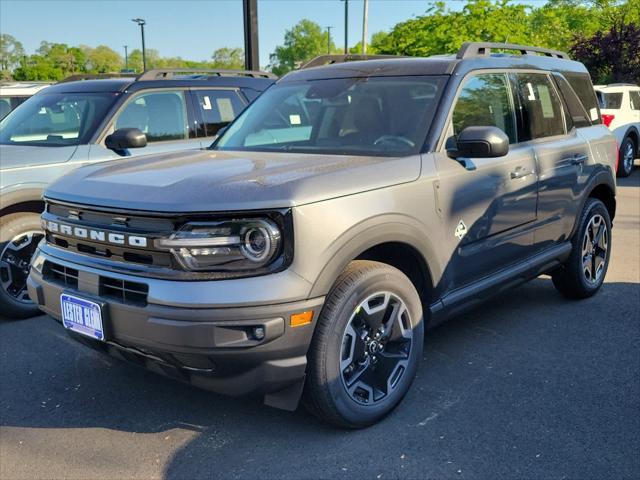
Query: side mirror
[481, 142]
[125, 138]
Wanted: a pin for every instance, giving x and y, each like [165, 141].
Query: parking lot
[528, 386]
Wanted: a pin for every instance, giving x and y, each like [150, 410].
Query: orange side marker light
[300, 319]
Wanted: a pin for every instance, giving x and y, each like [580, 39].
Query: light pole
[329, 40]
[365, 21]
[346, 27]
[142, 23]
[126, 57]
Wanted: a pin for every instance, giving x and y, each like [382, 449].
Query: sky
[192, 29]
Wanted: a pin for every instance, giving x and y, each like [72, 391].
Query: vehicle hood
[16, 156]
[209, 180]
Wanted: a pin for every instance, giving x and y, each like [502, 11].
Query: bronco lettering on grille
[96, 235]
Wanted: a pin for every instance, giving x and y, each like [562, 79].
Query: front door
[488, 204]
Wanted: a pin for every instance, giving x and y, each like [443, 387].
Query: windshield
[382, 116]
[55, 119]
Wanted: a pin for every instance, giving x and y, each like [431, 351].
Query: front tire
[366, 347]
[583, 273]
[627, 156]
[20, 234]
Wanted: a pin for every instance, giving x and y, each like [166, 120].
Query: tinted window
[7, 104]
[610, 100]
[541, 107]
[218, 108]
[485, 100]
[56, 119]
[581, 84]
[383, 116]
[160, 115]
[634, 100]
[577, 116]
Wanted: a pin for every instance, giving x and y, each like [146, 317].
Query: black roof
[122, 84]
[472, 56]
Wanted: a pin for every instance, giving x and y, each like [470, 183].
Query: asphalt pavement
[529, 385]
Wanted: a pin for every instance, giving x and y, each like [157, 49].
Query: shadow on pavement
[528, 385]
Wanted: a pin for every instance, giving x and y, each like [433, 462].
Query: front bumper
[212, 348]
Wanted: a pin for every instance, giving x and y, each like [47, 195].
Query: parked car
[13, 94]
[620, 107]
[347, 209]
[79, 122]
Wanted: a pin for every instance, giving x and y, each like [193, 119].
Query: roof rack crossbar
[331, 59]
[167, 73]
[95, 76]
[481, 49]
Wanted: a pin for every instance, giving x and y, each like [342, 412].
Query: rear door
[562, 155]
[488, 204]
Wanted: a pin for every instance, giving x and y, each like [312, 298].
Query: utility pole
[126, 57]
[329, 40]
[250, 14]
[365, 21]
[346, 27]
[142, 23]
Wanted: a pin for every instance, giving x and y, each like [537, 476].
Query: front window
[56, 119]
[382, 116]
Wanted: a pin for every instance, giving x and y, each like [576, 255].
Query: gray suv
[348, 208]
[93, 118]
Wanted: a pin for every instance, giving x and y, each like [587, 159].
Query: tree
[303, 42]
[612, 56]
[103, 59]
[231, 58]
[372, 47]
[11, 52]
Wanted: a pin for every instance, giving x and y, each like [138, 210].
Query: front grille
[124, 291]
[61, 275]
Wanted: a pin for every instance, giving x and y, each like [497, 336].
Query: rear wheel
[20, 234]
[627, 156]
[584, 272]
[366, 347]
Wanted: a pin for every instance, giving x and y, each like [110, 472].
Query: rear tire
[366, 347]
[19, 236]
[627, 155]
[583, 273]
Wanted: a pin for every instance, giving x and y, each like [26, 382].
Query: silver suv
[345, 211]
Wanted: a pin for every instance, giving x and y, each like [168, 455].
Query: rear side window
[610, 101]
[578, 117]
[634, 100]
[581, 84]
[485, 101]
[541, 107]
[217, 108]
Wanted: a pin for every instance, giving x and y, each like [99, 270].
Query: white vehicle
[620, 107]
[13, 94]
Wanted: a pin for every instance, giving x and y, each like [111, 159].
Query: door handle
[521, 173]
[578, 159]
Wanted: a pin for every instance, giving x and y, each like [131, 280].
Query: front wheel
[366, 347]
[583, 273]
[627, 155]
[20, 234]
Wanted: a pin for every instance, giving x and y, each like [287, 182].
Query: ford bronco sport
[87, 119]
[348, 208]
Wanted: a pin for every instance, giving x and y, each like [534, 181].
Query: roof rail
[96, 76]
[481, 49]
[167, 73]
[331, 59]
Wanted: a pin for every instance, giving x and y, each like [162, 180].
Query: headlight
[229, 245]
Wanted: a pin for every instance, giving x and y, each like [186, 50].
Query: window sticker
[545, 101]
[206, 103]
[226, 109]
[532, 94]
[594, 114]
[295, 119]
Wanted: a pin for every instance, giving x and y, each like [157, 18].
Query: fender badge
[461, 230]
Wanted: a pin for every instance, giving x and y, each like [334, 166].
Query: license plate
[82, 316]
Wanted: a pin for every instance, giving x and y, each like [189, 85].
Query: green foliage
[11, 52]
[372, 46]
[231, 58]
[303, 42]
